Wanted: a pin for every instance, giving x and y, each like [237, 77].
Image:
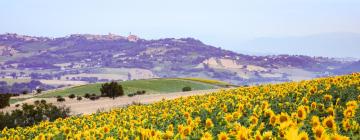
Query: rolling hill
[151, 86]
[100, 58]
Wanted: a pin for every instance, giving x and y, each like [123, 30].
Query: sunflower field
[324, 108]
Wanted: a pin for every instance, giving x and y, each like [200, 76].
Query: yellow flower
[303, 136]
[351, 104]
[187, 131]
[301, 113]
[346, 124]
[327, 97]
[313, 105]
[223, 136]
[349, 112]
[273, 120]
[319, 132]
[171, 127]
[339, 137]
[284, 117]
[228, 117]
[187, 115]
[331, 111]
[106, 129]
[329, 122]
[293, 134]
[206, 136]
[180, 128]
[258, 136]
[236, 115]
[253, 120]
[208, 123]
[315, 121]
[267, 135]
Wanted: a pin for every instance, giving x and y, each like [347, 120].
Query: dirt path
[87, 106]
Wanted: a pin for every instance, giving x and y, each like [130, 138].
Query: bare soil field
[87, 106]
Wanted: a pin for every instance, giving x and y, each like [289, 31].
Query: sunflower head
[223, 136]
[329, 122]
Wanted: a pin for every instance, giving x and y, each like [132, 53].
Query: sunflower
[304, 100]
[242, 133]
[284, 117]
[315, 121]
[303, 136]
[349, 112]
[339, 137]
[171, 127]
[223, 136]
[319, 132]
[273, 120]
[236, 115]
[253, 120]
[186, 131]
[327, 97]
[208, 123]
[331, 111]
[329, 122]
[346, 124]
[301, 113]
[186, 115]
[267, 135]
[206, 136]
[313, 105]
[351, 104]
[228, 117]
[258, 136]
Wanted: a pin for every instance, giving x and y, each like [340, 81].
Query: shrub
[43, 101]
[79, 98]
[87, 95]
[93, 98]
[37, 102]
[25, 92]
[32, 114]
[187, 88]
[111, 90]
[4, 100]
[71, 96]
[38, 91]
[17, 105]
[61, 99]
[131, 94]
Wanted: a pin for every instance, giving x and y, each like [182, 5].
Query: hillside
[99, 58]
[151, 86]
[325, 108]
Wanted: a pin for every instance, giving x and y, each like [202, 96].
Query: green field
[151, 86]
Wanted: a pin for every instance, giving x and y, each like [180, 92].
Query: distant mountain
[328, 44]
[113, 57]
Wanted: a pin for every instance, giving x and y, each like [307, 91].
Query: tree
[38, 91]
[4, 100]
[112, 90]
[187, 88]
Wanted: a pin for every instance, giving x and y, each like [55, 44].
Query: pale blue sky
[222, 23]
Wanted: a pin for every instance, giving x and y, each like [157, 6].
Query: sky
[221, 23]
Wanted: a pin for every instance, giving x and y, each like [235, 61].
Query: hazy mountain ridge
[130, 57]
[337, 44]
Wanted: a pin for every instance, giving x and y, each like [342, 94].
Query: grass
[209, 81]
[151, 86]
[13, 101]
